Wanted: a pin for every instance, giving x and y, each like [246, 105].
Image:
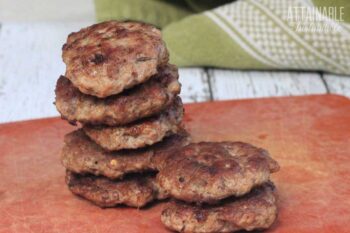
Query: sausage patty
[254, 211]
[142, 133]
[81, 155]
[106, 58]
[142, 101]
[136, 190]
[210, 171]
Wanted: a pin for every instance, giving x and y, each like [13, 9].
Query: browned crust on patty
[106, 58]
[142, 101]
[210, 171]
[136, 190]
[140, 134]
[81, 155]
[254, 211]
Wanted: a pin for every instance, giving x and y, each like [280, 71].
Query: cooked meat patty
[106, 58]
[256, 210]
[142, 133]
[142, 101]
[136, 190]
[81, 155]
[210, 171]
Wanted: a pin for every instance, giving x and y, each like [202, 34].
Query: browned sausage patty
[136, 190]
[256, 210]
[81, 155]
[142, 101]
[210, 171]
[142, 133]
[106, 58]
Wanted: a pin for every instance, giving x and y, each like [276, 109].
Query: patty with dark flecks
[140, 134]
[142, 101]
[82, 155]
[210, 171]
[106, 58]
[256, 210]
[135, 190]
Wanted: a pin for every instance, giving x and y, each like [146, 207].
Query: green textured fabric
[157, 12]
[245, 34]
[202, 5]
[192, 49]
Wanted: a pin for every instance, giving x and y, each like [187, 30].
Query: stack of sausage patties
[219, 187]
[122, 92]
[131, 148]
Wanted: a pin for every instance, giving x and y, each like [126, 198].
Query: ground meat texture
[255, 211]
[140, 134]
[135, 190]
[83, 156]
[107, 58]
[211, 171]
[145, 100]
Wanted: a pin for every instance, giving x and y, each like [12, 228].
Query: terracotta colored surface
[309, 136]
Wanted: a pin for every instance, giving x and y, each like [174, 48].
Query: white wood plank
[30, 61]
[43, 10]
[227, 84]
[338, 84]
[195, 86]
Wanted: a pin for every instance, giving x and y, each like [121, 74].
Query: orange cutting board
[308, 136]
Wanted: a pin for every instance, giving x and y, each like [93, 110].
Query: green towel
[246, 34]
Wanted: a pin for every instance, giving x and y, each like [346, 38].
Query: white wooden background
[30, 63]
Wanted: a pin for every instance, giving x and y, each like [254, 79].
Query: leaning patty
[106, 58]
[210, 171]
[142, 133]
[136, 190]
[81, 155]
[142, 101]
[254, 211]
